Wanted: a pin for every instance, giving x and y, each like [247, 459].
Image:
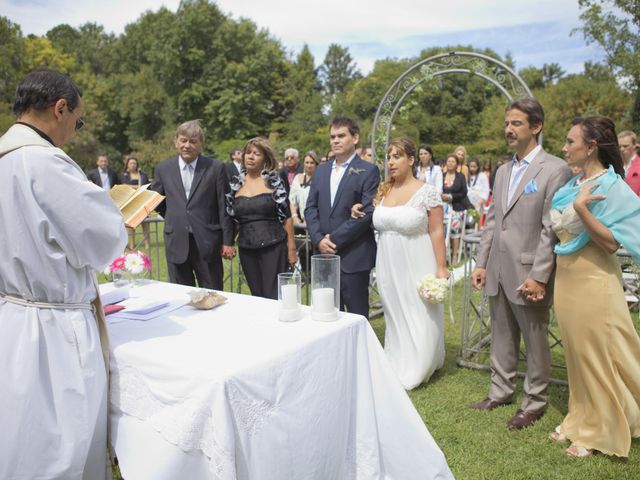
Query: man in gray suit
[516, 263]
[197, 229]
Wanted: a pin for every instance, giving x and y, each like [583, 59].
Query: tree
[40, 52]
[11, 55]
[337, 71]
[90, 44]
[536, 78]
[615, 26]
[304, 97]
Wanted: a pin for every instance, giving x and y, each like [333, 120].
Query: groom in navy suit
[338, 185]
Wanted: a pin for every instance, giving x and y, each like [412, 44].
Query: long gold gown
[601, 348]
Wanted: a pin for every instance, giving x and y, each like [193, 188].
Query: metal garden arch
[483, 66]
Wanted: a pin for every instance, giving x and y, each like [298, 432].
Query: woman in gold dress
[592, 215]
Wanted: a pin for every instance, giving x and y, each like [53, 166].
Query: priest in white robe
[56, 230]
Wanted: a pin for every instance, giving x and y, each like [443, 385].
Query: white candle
[323, 300]
[289, 296]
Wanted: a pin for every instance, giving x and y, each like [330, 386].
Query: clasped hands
[530, 289]
[228, 251]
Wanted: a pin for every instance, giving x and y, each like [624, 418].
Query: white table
[234, 393]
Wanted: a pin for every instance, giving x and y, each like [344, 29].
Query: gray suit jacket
[204, 211]
[517, 241]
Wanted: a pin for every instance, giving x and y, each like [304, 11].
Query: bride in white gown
[408, 216]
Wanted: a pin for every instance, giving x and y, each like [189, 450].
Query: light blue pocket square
[531, 187]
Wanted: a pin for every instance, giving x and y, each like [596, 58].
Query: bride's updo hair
[407, 147]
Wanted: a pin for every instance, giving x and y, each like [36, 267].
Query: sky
[534, 32]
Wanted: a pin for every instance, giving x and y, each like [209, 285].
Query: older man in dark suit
[197, 228]
[337, 186]
[103, 176]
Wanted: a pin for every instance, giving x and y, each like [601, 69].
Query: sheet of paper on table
[143, 309]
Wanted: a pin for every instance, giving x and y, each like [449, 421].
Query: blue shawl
[619, 212]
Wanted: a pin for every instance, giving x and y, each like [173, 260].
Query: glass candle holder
[325, 287]
[289, 296]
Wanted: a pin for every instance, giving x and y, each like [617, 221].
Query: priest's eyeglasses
[79, 121]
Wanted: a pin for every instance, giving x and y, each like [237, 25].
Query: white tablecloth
[234, 393]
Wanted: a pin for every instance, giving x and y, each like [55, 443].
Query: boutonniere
[355, 171]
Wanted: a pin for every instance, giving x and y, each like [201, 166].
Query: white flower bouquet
[433, 289]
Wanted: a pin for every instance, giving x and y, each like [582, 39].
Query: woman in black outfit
[259, 204]
[454, 192]
[133, 175]
[136, 178]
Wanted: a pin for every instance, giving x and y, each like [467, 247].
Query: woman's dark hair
[475, 160]
[42, 88]
[131, 157]
[602, 130]
[427, 148]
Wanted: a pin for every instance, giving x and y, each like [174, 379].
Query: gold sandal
[576, 451]
[558, 436]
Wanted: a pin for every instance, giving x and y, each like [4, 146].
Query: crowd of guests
[551, 222]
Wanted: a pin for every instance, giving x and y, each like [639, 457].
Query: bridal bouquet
[432, 289]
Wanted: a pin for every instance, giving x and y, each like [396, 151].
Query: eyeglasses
[79, 121]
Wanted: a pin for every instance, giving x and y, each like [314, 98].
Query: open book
[135, 203]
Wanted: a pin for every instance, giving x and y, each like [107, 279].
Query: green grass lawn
[477, 444]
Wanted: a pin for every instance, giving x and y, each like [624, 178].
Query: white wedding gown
[414, 336]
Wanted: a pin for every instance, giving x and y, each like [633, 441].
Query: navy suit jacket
[204, 211]
[354, 238]
[94, 176]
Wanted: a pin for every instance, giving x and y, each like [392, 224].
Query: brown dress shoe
[524, 419]
[487, 404]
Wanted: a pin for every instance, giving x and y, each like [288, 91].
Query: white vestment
[56, 230]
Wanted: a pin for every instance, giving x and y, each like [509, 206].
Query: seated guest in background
[592, 216]
[197, 229]
[367, 154]
[454, 192]
[133, 175]
[461, 156]
[103, 176]
[259, 204]
[427, 172]
[234, 165]
[136, 178]
[477, 185]
[486, 169]
[300, 188]
[291, 167]
[631, 160]
[56, 231]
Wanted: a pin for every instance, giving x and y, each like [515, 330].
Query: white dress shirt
[517, 172]
[104, 178]
[184, 174]
[336, 176]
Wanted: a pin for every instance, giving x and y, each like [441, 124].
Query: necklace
[580, 181]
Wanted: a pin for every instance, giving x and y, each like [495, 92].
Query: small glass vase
[135, 279]
[119, 278]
